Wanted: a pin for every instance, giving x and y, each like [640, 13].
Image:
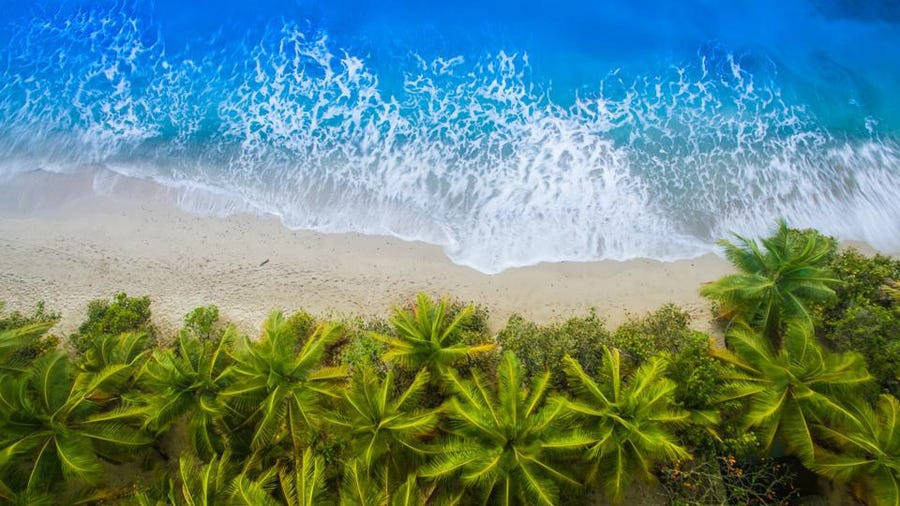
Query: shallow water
[508, 132]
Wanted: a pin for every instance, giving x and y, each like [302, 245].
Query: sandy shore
[64, 243]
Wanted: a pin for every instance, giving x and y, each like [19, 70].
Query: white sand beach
[66, 244]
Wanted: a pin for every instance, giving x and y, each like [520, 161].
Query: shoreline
[67, 245]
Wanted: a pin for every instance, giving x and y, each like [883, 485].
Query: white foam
[473, 155]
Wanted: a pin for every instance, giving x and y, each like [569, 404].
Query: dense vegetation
[430, 407]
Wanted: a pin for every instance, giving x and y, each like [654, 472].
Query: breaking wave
[470, 152]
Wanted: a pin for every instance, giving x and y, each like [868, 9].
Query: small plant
[123, 314]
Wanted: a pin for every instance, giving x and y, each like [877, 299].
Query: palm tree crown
[776, 284]
[791, 388]
[187, 381]
[426, 339]
[627, 425]
[61, 423]
[277, 386]
[381, 422]
[501, 441]
[870, 447]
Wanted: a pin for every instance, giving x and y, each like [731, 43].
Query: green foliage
[870, 450]
[542, 347]
[277, 388]
[304, 484]
[777, 282]
[626, 424]
[123, 314]
[501, 439]
[792, 388]
[383, 425]
[863, 277]
[426, 337]
[58, 425]
[666, 330]
[218, 418]
[359, 348]
[24, 337]
[727, 480]
[873, 331]
[865, 317]
[201, 320]
[186, 382]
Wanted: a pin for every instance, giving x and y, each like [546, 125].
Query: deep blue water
[508, 132]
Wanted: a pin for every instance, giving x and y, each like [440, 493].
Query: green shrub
[665, 330]
[862, 276]
[358, 348]
[873, 331]
[865, 317]
[542, 347]
[729, 480]
[472, 331]
[16, 319]
[201, 320]
[123, 314]
[301, 325]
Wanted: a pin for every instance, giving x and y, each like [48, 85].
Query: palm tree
[56, 425]
[775, 285]
[14, 341]
[627, 425]
[426, 339]
[105, 350]
[217, 482]
[304, 485]
[382, 423]
[278, 387]
[501, 441]
[790, 389]
[358, 488]
[870, 450]
[186, 382]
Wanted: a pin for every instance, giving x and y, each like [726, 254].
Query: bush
[866, 315]
[123, 314]
[863, 277]
[665, 330]
[474, 330]
[358, 348]
[728, 480]
[874, 331]
[542, 347]
[301, 325]
[201, 320]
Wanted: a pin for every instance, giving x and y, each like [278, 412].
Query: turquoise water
[507, 132]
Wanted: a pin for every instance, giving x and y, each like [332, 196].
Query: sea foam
[472, 153]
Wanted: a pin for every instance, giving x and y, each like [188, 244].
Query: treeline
[430, 407]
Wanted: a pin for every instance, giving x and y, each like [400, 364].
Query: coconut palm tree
[870, 450]
[501, 441]
[304, 484]
[792, 388]
[358, 488]
[382, 423]
[14, 341]
[426, 339]
[277, 382]
[186, 382]
[57, 425]
[218, 482]
[776, 284]
[627, 424]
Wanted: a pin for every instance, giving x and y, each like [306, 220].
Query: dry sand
[63, 243]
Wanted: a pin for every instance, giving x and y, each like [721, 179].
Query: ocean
[509, 133]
